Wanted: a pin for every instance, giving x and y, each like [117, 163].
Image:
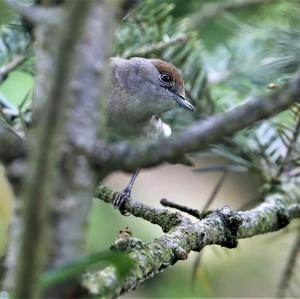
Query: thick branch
[222, 226]
[37, 198]
[78, 177]
[122, 156]
[199, 135]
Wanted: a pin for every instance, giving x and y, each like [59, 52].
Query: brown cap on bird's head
[172, 80]
[176, 79]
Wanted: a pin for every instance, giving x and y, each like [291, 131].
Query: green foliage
[15, 40]
[151, 31]
[73, 270]
[6, 14]
[16, 54]
[287, 52]
[261, 56]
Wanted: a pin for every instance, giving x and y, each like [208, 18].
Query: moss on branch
[222, 226]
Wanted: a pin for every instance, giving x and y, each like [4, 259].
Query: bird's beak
[184, 102]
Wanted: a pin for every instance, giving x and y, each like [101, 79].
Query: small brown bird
[141, 90]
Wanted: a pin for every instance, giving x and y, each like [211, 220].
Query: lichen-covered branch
[197, 136]
[162, 217]
[222, 226]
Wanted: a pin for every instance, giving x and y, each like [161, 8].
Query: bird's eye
[165, 77]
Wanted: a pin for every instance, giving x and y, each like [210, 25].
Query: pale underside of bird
[141, 90]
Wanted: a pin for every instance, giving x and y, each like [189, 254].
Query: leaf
[72, 270]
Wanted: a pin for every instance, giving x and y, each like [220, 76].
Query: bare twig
[193, 212]
[215, 191]
[144, 51]
[162, 217]
[289, 270]
[10, 128]
[195, 268]
[5, 104]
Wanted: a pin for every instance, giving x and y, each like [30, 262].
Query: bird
[141, 90]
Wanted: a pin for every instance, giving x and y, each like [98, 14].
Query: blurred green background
[252, 269]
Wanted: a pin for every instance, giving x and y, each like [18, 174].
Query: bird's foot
[120, 200]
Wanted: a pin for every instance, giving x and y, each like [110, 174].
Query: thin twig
[7, 126]
[195, 268]
[215, 191]
[16, 62]
[291, 147]
[24, 123]
[4, 103]
[289, 269]
[193, 212]
[144, 51]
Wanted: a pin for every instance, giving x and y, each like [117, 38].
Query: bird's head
[171, 83]
[155, 86]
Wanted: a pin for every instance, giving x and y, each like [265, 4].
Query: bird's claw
[120, 200]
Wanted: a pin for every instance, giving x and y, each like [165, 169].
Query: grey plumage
[138, 96]
[142, 89]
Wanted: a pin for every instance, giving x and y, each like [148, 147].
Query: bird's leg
[126, 193]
